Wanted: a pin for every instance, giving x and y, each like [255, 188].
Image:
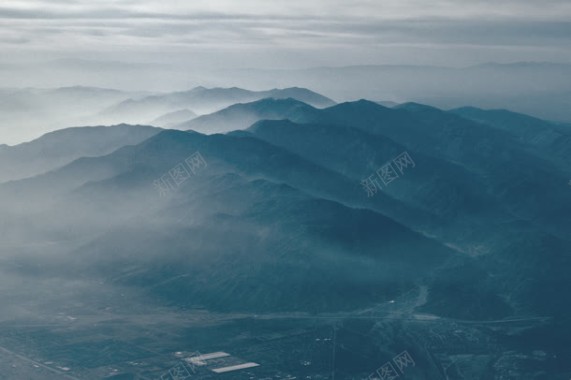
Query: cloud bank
[281, 34]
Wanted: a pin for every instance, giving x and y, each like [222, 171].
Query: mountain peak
[302, 94]
[285, 123]
[280, 101]
[360, 104]
[175, 117]
[475, 111]
[416, 107]
[243, 115]
[467, 109]
[199, 89]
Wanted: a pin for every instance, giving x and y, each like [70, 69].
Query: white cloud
[72, 27]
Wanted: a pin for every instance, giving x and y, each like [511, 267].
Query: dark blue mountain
[249, 186]
[242, 115]
[202, 101]
[550, 141]
[61, 147]
[470, 238]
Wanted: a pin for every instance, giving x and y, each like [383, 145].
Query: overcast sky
[300, 33]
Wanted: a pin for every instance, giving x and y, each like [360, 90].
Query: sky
[282, 34]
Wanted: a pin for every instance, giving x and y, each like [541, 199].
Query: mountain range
[61, 147]
[464, 191]
[202, 100]
[28, 113]
[469, 219]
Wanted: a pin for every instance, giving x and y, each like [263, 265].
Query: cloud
[71, 27]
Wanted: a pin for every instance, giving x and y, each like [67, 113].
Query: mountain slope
[466, 212]
[171, 119]
[240, 193]
[454, 194]
[462, 258]
[549, 140]
[202, 100]
[26, 114]
[58, 148]
[241, 116]
[480, 149]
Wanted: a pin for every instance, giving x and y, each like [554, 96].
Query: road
[62, 374]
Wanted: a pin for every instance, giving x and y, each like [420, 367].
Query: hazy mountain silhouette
[240, 200]
[536, 88]
[61, 147]
[203, 100]
[464, 192]
[472, 237]
[243, 115]
[453, 194]
[552, 141]
[171, 119]
[386, 103]
[26, 114]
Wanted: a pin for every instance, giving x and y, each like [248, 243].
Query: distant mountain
[301, 94]
[440, 191]
[173, 118]
[537, 88]
[82, 92]
[26, 114]
[61, 147]
[434, 132]
[461, 209]
[471, 236]
[524, 65]
[387, 103]
[521, 125]
[550, 140]
[243, 115]
[253, 193]
[202, 100]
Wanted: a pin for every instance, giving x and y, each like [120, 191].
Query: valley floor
[120, 337]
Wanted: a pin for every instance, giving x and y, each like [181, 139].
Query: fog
[222, 177]
[540, 89]
[390, 51]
